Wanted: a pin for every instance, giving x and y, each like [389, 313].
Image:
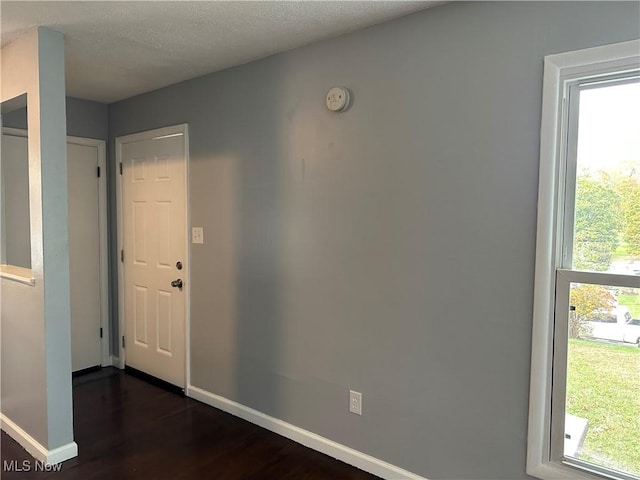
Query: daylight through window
[587, 311]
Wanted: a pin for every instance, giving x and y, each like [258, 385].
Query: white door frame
[174, 130]
[100, 145]
[105, 343]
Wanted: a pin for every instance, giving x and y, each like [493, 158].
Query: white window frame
[544, 452]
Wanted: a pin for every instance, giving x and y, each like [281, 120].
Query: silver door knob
[177, 283]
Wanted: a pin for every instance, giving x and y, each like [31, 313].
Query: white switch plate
[355, 402]
[197, 235]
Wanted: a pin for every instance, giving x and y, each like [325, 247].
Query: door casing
[105, 342]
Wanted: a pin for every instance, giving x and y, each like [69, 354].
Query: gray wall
[15, 119]
[388, 249]
[84, 119]
[87, 119]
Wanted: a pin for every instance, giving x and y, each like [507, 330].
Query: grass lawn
[622, 252]
[632, 302]
[603, 386]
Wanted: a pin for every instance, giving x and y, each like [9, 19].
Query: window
[15, 217]
[14, 190]
[585, 369]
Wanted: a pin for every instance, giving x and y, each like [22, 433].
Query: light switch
[197, 235]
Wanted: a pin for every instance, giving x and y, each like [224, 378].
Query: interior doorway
[88, 254]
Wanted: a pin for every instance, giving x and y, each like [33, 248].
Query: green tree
[598, 223]
[587, 303]
[629, 190]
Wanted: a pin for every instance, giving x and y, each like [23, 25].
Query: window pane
[602, 421]
[607, 210]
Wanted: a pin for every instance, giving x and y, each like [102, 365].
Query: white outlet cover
[355, 402]
[197, 235]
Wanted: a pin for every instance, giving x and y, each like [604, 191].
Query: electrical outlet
[197, 235]
[355, 402]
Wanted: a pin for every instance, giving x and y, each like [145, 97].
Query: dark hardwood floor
[127, 428]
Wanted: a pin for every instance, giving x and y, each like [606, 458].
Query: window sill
[17, 274]
[566, 471]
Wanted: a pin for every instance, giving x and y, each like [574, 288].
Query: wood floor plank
[127, 428]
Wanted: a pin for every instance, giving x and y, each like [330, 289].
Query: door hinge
[122, 256]
[98, 172]
[100, 332]
[123, 343]
[120, 168]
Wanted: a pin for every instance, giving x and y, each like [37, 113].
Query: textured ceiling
[115, 50]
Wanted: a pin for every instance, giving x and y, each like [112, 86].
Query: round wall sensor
[338, 99]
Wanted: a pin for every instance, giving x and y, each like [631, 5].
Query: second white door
[154, 257]
[84, 254]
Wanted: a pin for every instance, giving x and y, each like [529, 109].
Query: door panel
[155, 239]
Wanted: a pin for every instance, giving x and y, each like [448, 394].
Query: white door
[84, 255]
[154, 224]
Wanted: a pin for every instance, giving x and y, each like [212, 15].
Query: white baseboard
[34, 447]
[115, 362]
[309, 439]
